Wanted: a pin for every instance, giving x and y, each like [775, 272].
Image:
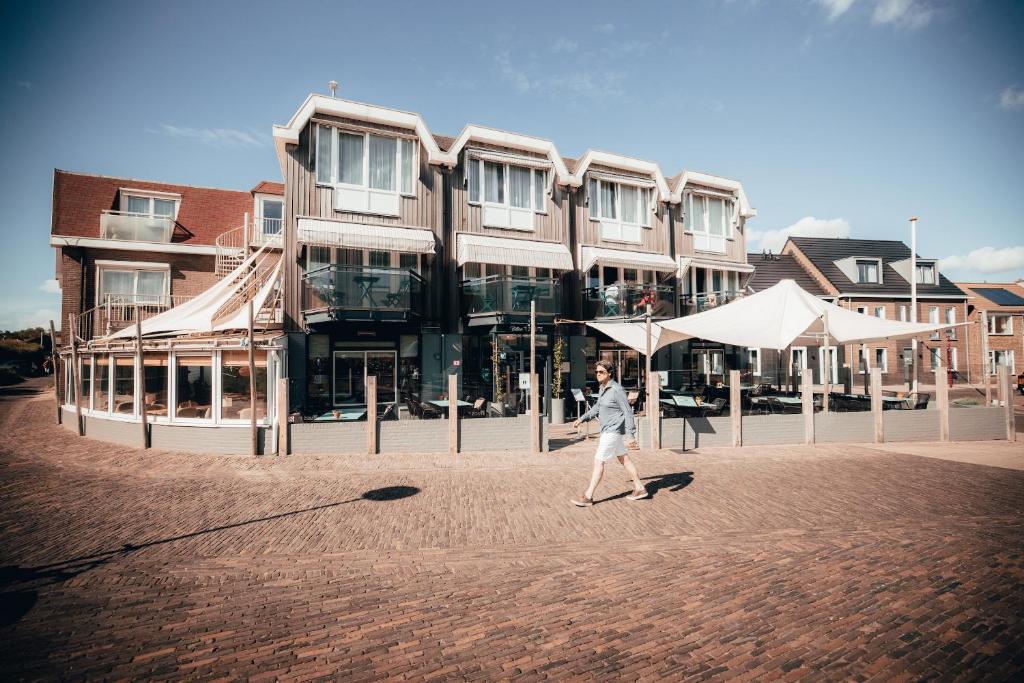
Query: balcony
[506, 295]
[135, 227]
[629, 300]
[267, 231]
[362, 293]
[705, 301]
[117, 311]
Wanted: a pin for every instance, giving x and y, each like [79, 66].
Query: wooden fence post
[736, 407]
[453, 414]
[535, 425]
[942, 398]
[807, 394]
[371, 414]
[654, 411]
[876, 404]
[282, 416]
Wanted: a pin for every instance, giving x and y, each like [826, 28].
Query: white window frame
[1006, 353]
[904, 313]
[880, 312]
[133, 267]
[802, 352]
[149, 196]
[992, 325]
[754, 361]
[831, 353]
[863, 310]
[361, 198]
[878, 269]
[613, 229]
[935, 274]
[503, 214]
[884, 364]
[703, 240]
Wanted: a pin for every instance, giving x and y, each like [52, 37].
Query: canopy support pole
[140, 387]
[55, 362]
[74, 374]
[653, 407]
[827, 379]
[252, 384]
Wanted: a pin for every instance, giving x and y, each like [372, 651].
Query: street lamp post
[913, 298]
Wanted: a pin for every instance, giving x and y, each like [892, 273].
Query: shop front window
[235, 401]
[155, 384]
[101, 385]
[124, 385]
[193, 387]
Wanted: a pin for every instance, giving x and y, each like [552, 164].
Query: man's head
[603, 370]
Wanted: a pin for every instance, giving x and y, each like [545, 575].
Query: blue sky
[840, 117]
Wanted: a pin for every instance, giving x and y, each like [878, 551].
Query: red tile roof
[205, 212]
[445, 142]
[268, 187]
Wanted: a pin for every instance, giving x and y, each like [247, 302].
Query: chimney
[333, 85]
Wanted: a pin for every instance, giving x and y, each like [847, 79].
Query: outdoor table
[791, 400]
[366, 282]
[347, 415]
[459, 405]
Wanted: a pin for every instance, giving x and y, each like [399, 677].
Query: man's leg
[595, 478]
[631, 470]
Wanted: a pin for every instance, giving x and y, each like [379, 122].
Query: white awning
[626, 259]
[634, 335]
[624, 179]
[362, 236]
[502, 250]
[686, 262]
[503, 158]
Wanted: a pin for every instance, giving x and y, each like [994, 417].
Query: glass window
[543, 272]
[880, 312]
[409, 262]
[323, 154]
[933, 315]
[592, 198]
[904, 313]
[317, 258]
[716, 217]
[408, 158]
[101, 384]
[1000, 324]
[133, 286]
[350, 159]
[85, 381]
[193, 386]
[124, 385]
[926, 274]
[594, 277]
[520, 271]
[997, 358]
[154, 380]
[881, 360]
[867, 271]
[138, 205]
[494, 182]
[608, 201]
[754, 361]
[116, 285]
[163, 207]
[379, 259]
[471, 271]
[473, 169]
[716, 280]
[539, 183]
[383, 157]
[519, 187]
[692, 204]
[630, 204]
[234, 378]
[629, 275]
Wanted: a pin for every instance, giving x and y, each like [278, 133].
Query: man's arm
[592, 413]
[627, 410]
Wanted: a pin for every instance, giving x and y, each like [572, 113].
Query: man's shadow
[677, 481]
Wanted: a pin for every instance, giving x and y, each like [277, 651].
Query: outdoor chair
[429, 411]
[495, 410]
[413, 406]
[921, 402]
[395, 299]
[478, 409]
[713, 408]
[389, 413]
[779, 408]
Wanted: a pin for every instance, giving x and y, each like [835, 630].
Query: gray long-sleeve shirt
[613, 410]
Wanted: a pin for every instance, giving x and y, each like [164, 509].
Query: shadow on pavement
[14, 605]
[676, 481]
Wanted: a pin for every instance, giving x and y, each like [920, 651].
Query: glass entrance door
[351, 369]
[383, 365]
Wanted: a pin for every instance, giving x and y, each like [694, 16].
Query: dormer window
[709, 219]
[509, 193]
[926, 274]
[369, 172]
[867, 271]
[151, 206]
[622, 209]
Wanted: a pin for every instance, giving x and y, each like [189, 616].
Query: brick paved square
[824, 563]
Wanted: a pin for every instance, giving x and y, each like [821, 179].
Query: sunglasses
[600, 372]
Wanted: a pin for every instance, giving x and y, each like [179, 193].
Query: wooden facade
[653, 239]
[735, 246]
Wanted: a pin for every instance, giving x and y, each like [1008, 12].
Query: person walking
[616, 417]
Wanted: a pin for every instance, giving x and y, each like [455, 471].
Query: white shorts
[610, 446]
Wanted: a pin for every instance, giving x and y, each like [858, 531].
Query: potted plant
[499, 387]
[557, 402]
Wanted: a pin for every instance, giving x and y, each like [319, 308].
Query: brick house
[122, 242]
[1002, 304]
[873, 277]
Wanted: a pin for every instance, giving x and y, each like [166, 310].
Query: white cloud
[517, 77]
[217, 137]
[808, 226]
[1012, 98]
[50, 287]
[836, 8]
[564, 45]
[606, 29]
[20, 319]
[909, 13]
[987, 260]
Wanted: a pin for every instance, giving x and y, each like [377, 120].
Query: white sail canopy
[779, 316]
[634, 335]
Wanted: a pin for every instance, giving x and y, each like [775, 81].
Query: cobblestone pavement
[825, 563]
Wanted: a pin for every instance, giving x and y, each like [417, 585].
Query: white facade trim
[732, 186]
[122, 245]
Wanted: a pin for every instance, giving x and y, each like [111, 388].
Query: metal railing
[506, 294]
[704, 301]
[117, 311]
[135, 227]
[629, 300]
[266, 231]
[363, 288]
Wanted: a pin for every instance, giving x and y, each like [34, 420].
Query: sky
[840, 117]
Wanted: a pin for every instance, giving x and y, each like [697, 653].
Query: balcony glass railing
[629, 300]
[135, 227]
[363, 288]
[704, 301]
[506, 294]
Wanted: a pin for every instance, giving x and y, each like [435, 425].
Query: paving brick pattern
[836, 562]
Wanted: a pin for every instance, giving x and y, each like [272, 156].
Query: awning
[514, 159]
[686, 262]
[632, 181]
[626, 259]
[634, 335]
[362, 236]
[502, 250]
